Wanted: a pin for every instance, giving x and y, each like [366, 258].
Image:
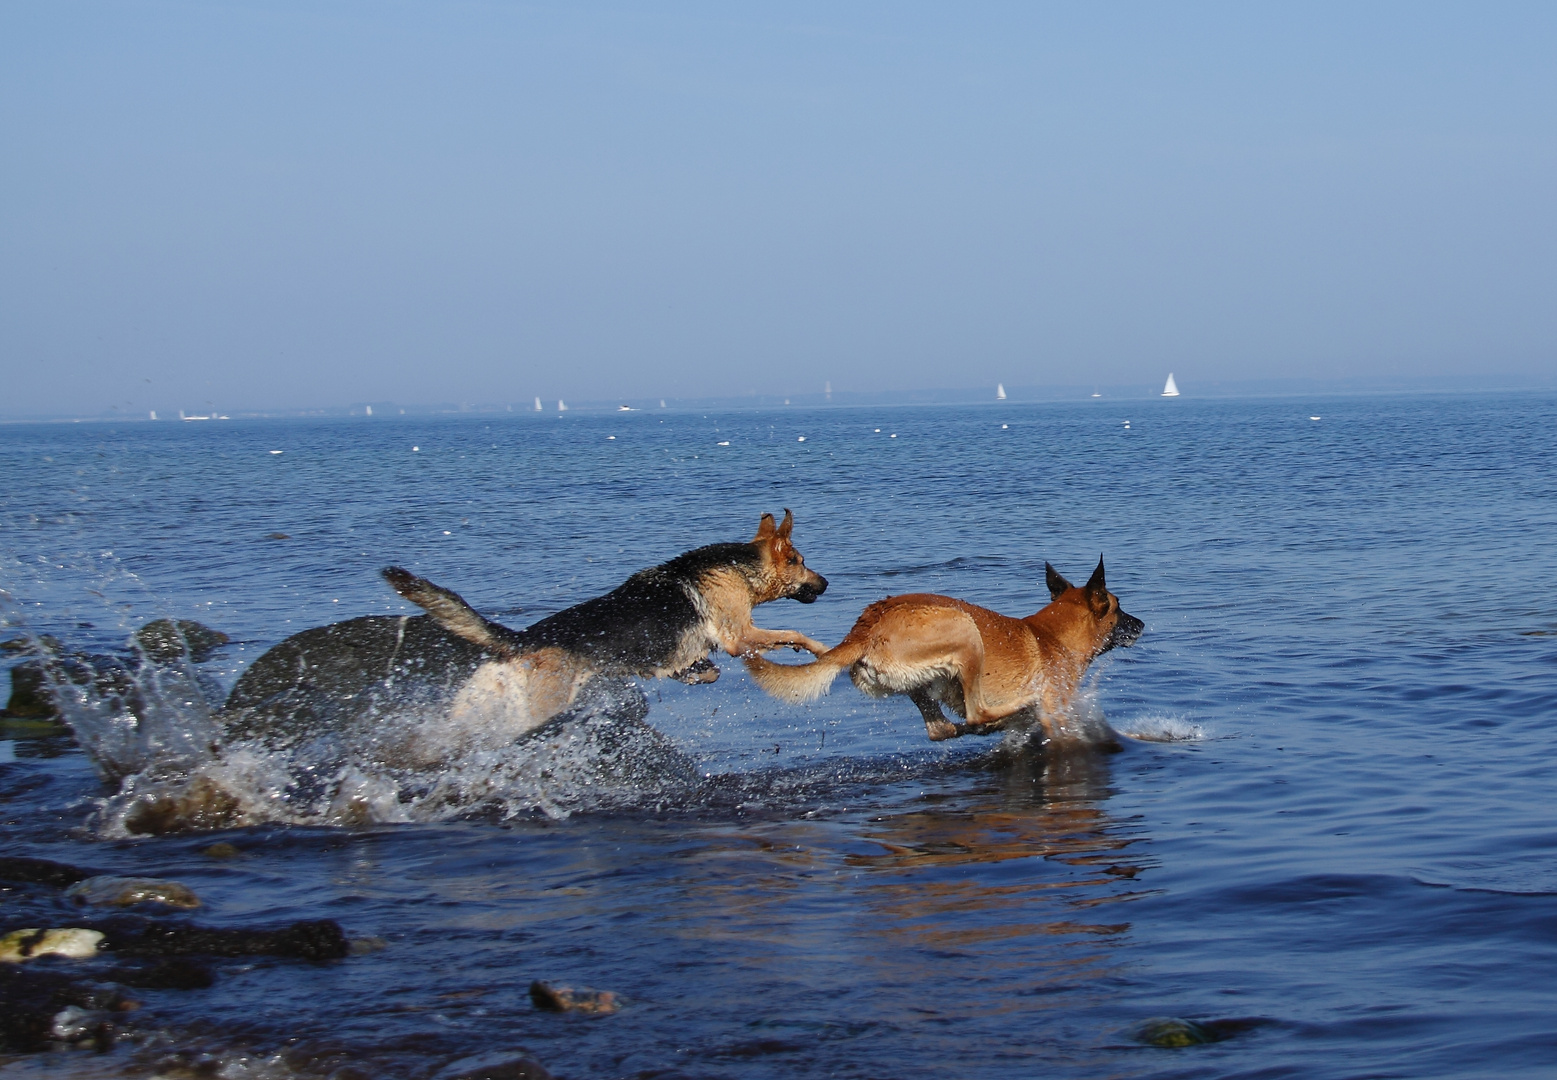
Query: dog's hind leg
[935, 723]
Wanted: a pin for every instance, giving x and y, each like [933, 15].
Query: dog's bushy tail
[799, 683]
[453, 613]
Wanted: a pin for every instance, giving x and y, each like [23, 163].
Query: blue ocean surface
[1329, 838]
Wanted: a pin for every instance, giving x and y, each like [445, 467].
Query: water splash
[1161, 728]
[597, 755]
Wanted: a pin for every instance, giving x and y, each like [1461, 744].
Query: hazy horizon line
[1015, 394]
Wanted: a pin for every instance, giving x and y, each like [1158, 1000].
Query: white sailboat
[1000, 391]
[561, 405]
[538, 405]
[1172, 388]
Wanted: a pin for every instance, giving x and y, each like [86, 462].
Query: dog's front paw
[700, 671]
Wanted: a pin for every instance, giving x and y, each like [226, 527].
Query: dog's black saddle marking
[638, 626]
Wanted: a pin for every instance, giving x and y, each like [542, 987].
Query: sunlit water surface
[1334, 832]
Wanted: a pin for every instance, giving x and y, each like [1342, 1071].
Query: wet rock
[343, 678]
[221, 850]
[566, 999]
[129, 891]
[319, 939]
[170, 973]
[30, 1001]
[35, 682]
[166, 640]
[74, 942]
[32, 698]
[520, 1068]
[88, 1028]
[198, 805]
[41, 872]
[1172, 1032]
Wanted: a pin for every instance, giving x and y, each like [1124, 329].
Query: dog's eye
[793, 559]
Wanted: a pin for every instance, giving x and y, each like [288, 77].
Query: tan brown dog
[986, 666]
[483, 684]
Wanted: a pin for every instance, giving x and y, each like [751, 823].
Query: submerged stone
[1172, 1032]
[565, 999]
[317, 939]
[31, 1000]
[129, 891]
[165, 640]
[200, 804]
[40, 871]
[74, 942]
[166, 973]
[522, 1068]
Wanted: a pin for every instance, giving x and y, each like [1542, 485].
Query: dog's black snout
[1127, 630]
[808, 592]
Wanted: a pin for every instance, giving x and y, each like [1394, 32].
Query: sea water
[1329, 838]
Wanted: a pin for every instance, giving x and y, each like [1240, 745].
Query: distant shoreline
[1016, 394]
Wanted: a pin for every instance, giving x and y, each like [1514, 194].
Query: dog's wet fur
[489, 683]
[990, 669]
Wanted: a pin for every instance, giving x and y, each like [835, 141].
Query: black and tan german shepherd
[483, 684]
[988, 667]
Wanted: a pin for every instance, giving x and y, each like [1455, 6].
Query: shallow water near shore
[1329, 837]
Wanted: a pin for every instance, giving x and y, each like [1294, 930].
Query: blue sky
[261, 205]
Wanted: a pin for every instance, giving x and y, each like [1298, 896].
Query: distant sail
[370, 410]
[1172, 389]
[537, 404]
[662, 403]
[1000, 391]
[562, 406]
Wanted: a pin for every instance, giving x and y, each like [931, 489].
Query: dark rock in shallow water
[200, 804]
[41, 872]
[507, 1069]
[167, 973]
[30, 999]
[320, 939]
[35, 682]
[110, 891]
[565, 999]
[166, 640]
[344, 677]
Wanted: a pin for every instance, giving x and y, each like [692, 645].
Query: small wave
[1154, 727]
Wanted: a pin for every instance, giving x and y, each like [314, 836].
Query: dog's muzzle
[1125, 632]
[807, 593]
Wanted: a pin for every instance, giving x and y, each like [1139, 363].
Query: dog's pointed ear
[786, 526]
[1097, 588]
[1055, 580]
[765, 529]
